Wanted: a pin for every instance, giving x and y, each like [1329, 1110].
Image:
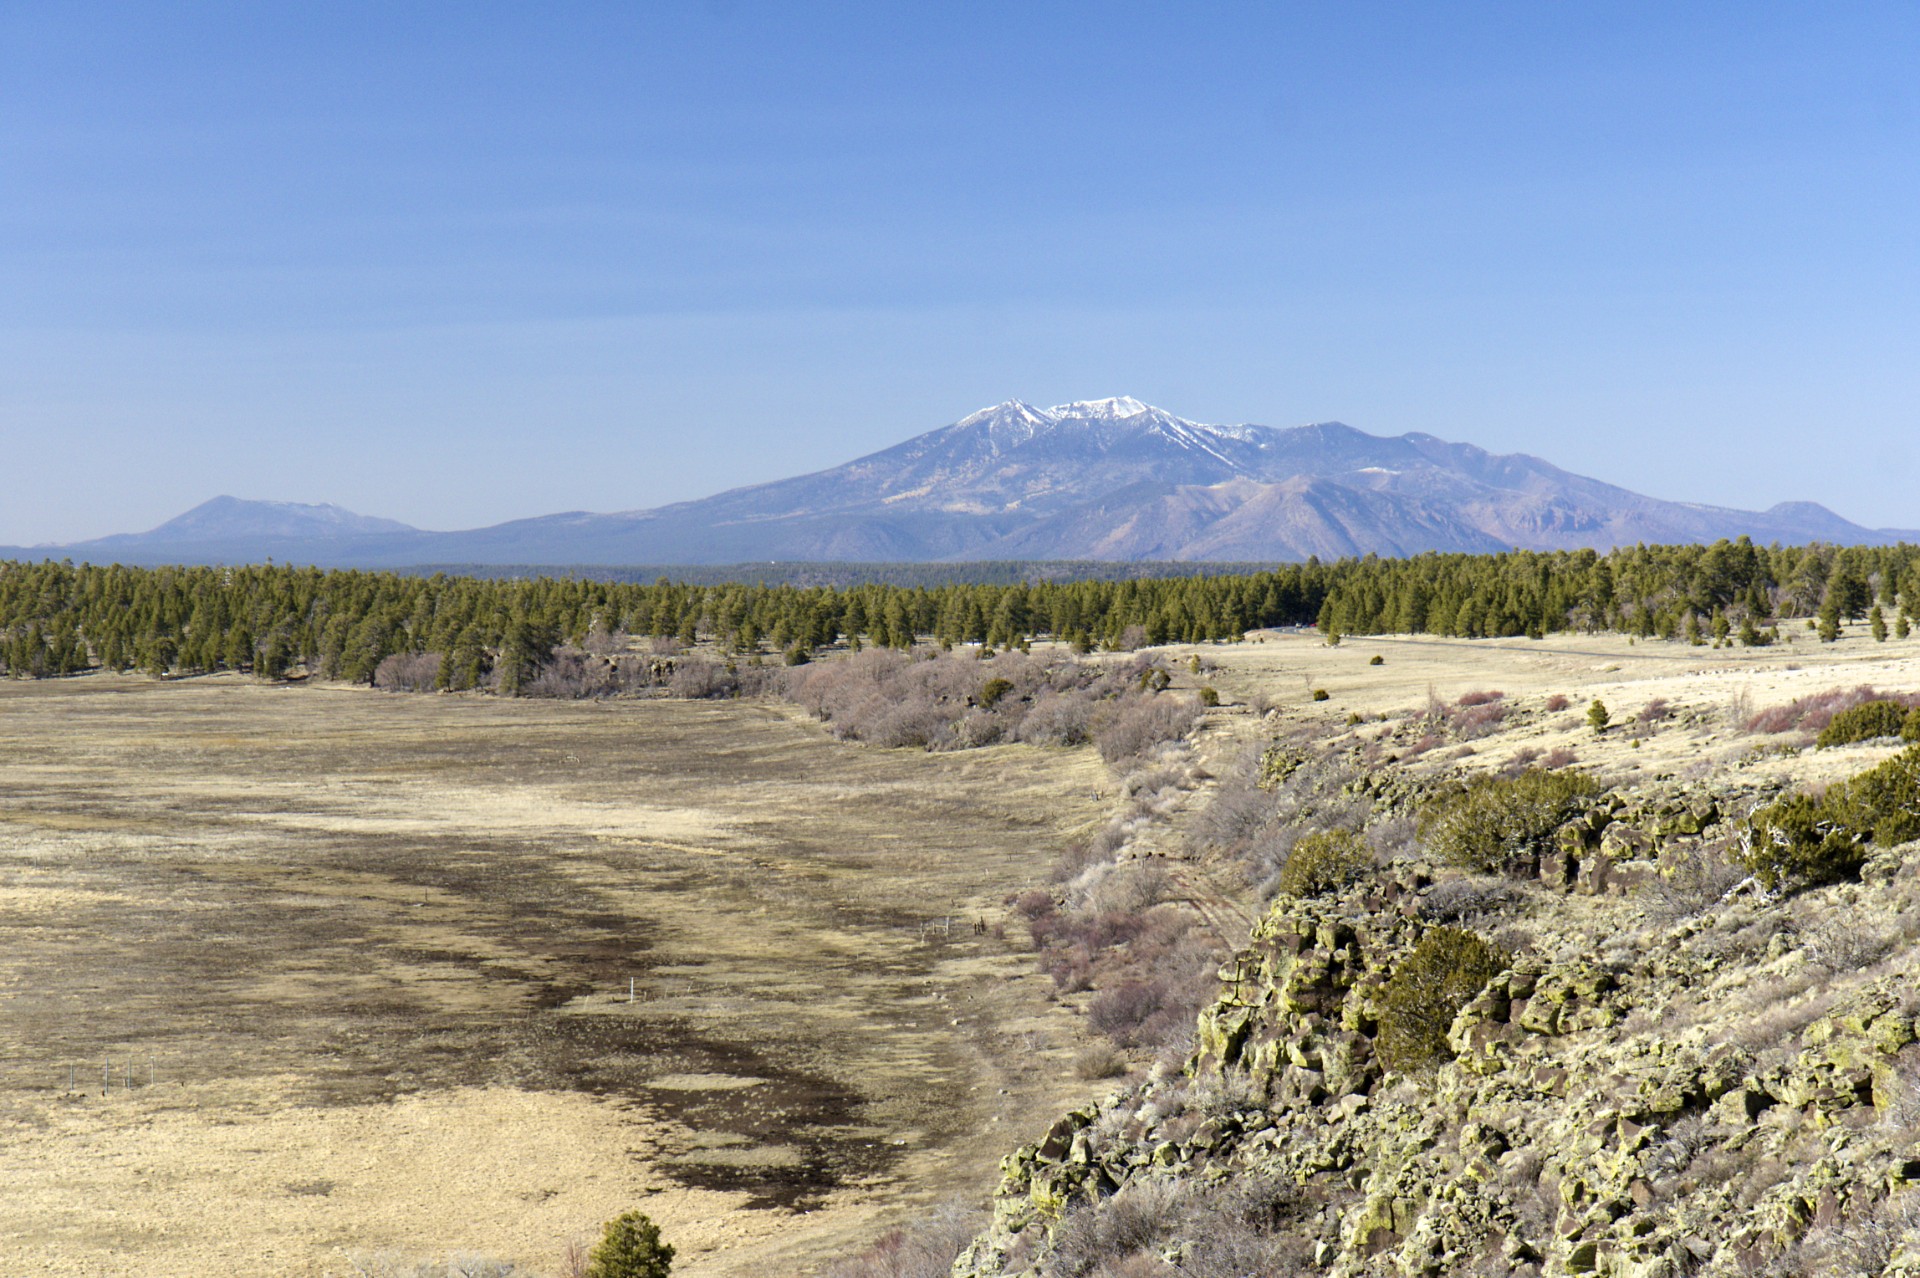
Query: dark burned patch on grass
[336, 900]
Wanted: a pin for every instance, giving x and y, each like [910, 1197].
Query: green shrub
[631, 1248]
[1504, 823]
[1377, 660]
[1863, 722]
[1324, 861]
[1209, 695]
[1442, 974]
[1598, 716]
[1320, 694]
[1811, 839]
[992, 691]
[1910, 728]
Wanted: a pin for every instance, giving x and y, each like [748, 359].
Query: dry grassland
[377, 949]
[374, 953]
[1710, 691]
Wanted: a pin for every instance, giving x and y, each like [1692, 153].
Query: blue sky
[460, 263]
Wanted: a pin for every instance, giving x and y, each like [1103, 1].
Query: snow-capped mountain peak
[1113, 408]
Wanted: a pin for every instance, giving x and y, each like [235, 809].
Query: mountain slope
[1094, 479]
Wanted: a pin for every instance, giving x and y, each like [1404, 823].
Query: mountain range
[1107, 479]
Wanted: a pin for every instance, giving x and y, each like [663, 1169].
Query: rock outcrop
[1631, 1096]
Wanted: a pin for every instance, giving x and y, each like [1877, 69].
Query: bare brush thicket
[1814, 712]
[1223, 1229]
[952, 701]
[1254, 827]
[926, 1248]
[408, 672]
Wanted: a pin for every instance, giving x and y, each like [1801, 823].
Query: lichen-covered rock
[1624, 1099]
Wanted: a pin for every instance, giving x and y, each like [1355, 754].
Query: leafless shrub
[1560, 757]
[1075, 859]
[1468, 901]
[955, 702]
[1133, 887]
[1247, 1225]
[1099, 1060]
[1266, 857]
[1057, 719]
[1692, 878]
[1486, 698]
[1151, 781]
[1140, 721]
[1901, 1112]
[1032, 903]
[1477, 721]
[1777, 1024]
[1515, 940]
[1814, 712]
[1393, 837]
[602, 643]
[1865, 1244]
[1232, 817]
[1431, 741]
[1840, 946]
[1131, 639]
[1679, 1146]
[408, 672]
[1653, 714]
[926, 1248]
[573, 674]
[1523, 758]
[1556, 703]
[1137, 1219]
[1121, 1011]
[697, 680]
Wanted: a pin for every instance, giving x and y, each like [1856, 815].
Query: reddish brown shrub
[1481, 720]
[408, 672]
[1814, 712]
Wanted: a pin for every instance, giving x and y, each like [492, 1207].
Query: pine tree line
[1728, 592]
[61, 618]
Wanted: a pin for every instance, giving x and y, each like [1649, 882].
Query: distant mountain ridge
[1105, 479]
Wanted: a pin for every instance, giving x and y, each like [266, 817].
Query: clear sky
[459, 263]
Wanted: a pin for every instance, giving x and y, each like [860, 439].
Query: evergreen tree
[1829, 620]
[630, 1247]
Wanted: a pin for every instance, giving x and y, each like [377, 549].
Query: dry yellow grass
[377, 950]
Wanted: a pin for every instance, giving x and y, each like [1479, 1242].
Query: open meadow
[365, 959]
[368, 959]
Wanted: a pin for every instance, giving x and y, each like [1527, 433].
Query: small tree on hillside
[631, 1248]
[1829, 624]
[1597, 716]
